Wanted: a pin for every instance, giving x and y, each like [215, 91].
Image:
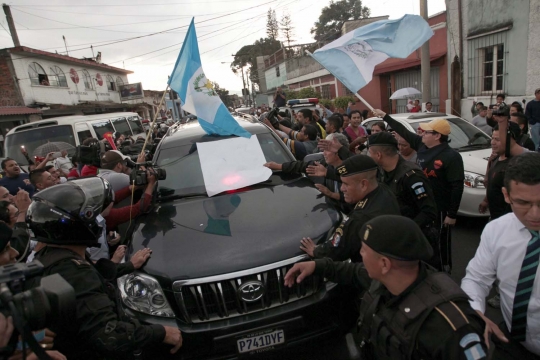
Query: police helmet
[66, 214]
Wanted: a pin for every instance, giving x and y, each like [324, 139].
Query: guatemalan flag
[197, 92]
[353, 57]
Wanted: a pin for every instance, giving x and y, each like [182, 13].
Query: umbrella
[405, 93]
[57, 146]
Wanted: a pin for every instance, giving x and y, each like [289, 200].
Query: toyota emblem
[251, 291]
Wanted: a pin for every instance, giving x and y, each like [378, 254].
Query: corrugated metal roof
[18, 110]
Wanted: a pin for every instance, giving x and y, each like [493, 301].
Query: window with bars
[346, 91]
[119, 83]
[487, 64]
[88, 85]
[37, 75]
[277, 71]
[492, 68]
[111, 85]
[325, 92]
[57, 77]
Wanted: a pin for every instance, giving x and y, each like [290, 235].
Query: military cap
[396, 237]
[383, 138]
[355, 165]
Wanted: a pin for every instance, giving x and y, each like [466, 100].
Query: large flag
[197, 92]
[353, 57]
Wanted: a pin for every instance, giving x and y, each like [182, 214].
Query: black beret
[396, 237]
[5, 235]
[355, 165]
[383, 138]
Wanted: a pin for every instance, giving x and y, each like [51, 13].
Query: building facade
[36, 84]
[497, 43]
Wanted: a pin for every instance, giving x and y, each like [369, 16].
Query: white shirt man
[63, 164]
[508, 251]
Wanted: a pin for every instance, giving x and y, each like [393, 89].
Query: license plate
[260, 342]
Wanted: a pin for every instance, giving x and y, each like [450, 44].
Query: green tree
[247, 56]
[287, 29]
[341, 102]
[272, 25]
[223, 94]
[333, 16]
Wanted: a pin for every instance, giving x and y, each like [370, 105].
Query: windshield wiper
[182, 196]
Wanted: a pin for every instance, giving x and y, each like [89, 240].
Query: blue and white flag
[197, 92]
[352, 58]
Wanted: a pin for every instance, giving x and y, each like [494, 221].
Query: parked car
[70, 129]
[299, 104]
[218, 263]
[472, 143]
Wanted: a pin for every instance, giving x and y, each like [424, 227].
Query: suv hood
[199, 237]
[476, 161]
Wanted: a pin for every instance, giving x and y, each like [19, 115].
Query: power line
[124, 5]
[175, 28]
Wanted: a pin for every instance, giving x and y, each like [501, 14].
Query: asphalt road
[465, 240]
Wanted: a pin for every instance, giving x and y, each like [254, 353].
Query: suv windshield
[31, 139]
[184, 173]
[463, 135]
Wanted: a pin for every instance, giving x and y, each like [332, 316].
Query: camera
[91, 154]
[501, 111]
[36, 308]
[139, 177]
[272, 117]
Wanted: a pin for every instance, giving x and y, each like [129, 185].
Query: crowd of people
[74, 229]
[400, 192]
[389, 171]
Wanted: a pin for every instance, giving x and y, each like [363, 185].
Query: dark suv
[218, 263]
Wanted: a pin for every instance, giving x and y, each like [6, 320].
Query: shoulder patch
[79, 262]
[468, 339]
[418, 188]
[475, 353]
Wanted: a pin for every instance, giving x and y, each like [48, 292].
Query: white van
[70, 129]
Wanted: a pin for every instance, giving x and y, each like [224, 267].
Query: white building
[35, 82]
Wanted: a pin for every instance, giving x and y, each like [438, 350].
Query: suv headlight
[473, 180]
[143, 293]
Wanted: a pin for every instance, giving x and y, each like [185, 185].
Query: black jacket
[97, 329]
[442, 165]
[345, 242]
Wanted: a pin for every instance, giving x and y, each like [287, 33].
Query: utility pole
[425, 60]
[11, 25]
[244, 85]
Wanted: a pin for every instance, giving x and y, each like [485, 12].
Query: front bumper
[472, 197]
[328, 314]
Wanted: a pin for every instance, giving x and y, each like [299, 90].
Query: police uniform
[443, 166]
[345, 243]
[431, 319]
[66, 214]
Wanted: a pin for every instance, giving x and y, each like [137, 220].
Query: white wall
[71, 95]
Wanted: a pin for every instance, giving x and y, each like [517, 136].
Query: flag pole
[354, 92]
[154, 121]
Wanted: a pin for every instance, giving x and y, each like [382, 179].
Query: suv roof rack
[426, 115]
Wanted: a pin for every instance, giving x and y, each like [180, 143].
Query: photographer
[280, 98]
[98, 331]
[114, 169]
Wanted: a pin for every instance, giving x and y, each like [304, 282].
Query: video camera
[139, 177]
[91, 154]
[272, 117]
[36, 308]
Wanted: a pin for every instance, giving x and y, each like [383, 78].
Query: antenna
[65, 43]
[92, 47]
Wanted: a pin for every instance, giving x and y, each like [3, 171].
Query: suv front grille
[218, 297]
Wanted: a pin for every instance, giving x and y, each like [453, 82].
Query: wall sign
[74, 76]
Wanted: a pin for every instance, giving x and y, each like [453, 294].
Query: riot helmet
[66, 214]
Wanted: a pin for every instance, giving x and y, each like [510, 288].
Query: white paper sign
[232, 164]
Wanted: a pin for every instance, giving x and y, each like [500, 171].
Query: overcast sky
[41, 24]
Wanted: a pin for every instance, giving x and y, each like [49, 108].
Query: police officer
[359, 185]
[443, 167]
[410, 186]
[64, 217]
[408, 311]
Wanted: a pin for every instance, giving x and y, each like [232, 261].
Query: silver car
[472, 143]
